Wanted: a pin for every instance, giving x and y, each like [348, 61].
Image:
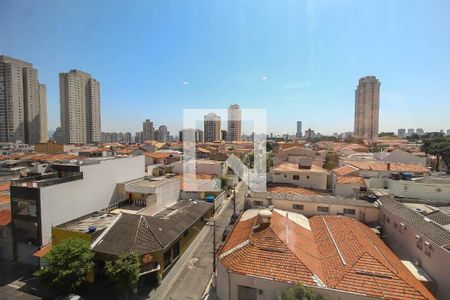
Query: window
[323, 209]
[247, 293]
[307, 177]
[296, 177]
[24, 207]
[428, 248]
[276, 173]
[298, 206]
[186, 233]
[349, 211]
[176, 250]
[438, 190]
[258, 203]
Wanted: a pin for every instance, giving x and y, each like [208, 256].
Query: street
[195, 274]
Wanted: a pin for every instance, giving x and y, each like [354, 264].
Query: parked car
[234, 218]
[226, 232]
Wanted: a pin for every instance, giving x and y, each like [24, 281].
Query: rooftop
[392, 167]
[350, 180]
[100, 220]
[291, 190]
[432, 230]
[146, 234]
[291, 167]
[312, 198]
[337, 252]
[152, 182]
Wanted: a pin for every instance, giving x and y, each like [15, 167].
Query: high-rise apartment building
[162, 134]
[196, 133]
[127, 137]
[410, 132]
[299, 130]
[23, 109]
[234, 132]
[80, 107]
[148, 131]
[212, 124]
[138, 137]
[43, 113]
[420, 131]
[367, 104]
[401, 132]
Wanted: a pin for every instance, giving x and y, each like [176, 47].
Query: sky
[299, 60]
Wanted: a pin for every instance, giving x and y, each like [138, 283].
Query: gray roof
[439, 217]
[328, 199]
[146, 234]
[432, 230]
[434, 180]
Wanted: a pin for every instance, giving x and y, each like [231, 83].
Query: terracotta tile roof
[350, 180]
[291, 190]
[5, 217]
[5, 186]
[291, 167]
[158, 155]
[5, 198]
[344, 170]
[338, 252]
[44, 250]
[394, 167]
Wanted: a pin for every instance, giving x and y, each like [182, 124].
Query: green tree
[124, 272]
[300, 292]
[66, 265]
[434, 143]
[331, 160]
[225, 183]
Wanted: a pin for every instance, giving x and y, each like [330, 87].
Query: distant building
[212, 124]
[162, 134]
[410, 132]
[197, 133]
[138, 137]
[299, 130]
[24, 103]
[367, 104]
[234, 123]
[419, 131]
[401, 132]
[148, 131]
[310, 134]
[128, 137]
[224, 135]
[80, 107]
[57, 136]
[448, 132]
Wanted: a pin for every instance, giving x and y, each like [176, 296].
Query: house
[161, 158]
[430, 189]
[302, 175]
[419, 238]
[338, 257]
[401, 156]
[69, 191]
[297, 153]
[202, 166]
[311, 205]
[159, 240]
[345, 181]
[153, 194]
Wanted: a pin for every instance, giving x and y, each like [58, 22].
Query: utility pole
[213, 221]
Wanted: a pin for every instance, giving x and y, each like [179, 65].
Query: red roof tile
[5, 217]
[44, 250]
[338, 251]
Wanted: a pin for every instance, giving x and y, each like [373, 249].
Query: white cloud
[185, 83]
[264, 77]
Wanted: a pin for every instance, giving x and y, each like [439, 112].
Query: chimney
[263, 220]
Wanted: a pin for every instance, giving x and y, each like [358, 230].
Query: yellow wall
[59, 235]
[51, 147]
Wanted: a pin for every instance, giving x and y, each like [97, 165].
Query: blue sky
[300, 60]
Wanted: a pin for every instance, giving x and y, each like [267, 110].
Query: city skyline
[276, 60]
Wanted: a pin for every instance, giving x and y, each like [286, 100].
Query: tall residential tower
[23, 108]
[212, 128]
[367, 105]
[80, 107]
[234, 123]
